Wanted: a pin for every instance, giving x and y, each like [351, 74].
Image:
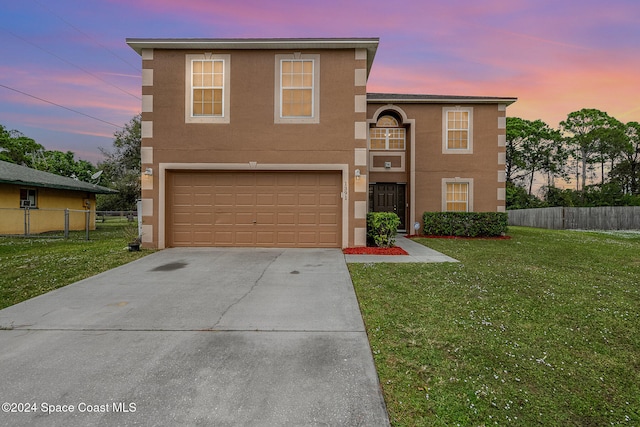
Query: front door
[389, 197]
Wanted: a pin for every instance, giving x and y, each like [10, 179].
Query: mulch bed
[375, 251]
[423, 236]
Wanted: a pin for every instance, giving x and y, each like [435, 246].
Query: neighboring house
[275, 142]
[44, 196]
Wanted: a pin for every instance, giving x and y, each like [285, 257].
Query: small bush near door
[382, 228]
[465, 224]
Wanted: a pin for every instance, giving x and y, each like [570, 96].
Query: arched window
[387, 134]
[387, 122]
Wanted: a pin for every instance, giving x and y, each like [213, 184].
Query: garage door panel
[286, 179]
[329, 237]
[307, 237]
[223, 238]
[308, 199]
[307, 218]
[182, 199]
[267, 180]
[265, 218]
[286, 199]
[327, 219]
[327, 199]
[244, 238]
[266, 199]
[243, 218]
[245, 199]
[281, 209]
[223, 199]
[286, 218]
[224, 218]
[202, 236]
[182, 218]
[203, 219]
[265, 238]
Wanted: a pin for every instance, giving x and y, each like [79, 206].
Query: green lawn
[542, 329]
[33, 266]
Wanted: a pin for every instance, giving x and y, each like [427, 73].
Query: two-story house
[275, 142]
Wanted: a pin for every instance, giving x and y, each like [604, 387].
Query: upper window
[297, 89]
[207, 77]
[28, 198]
[387, 135]
[207, 97]
[457, 130]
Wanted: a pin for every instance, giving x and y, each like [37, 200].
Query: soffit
[371, 44]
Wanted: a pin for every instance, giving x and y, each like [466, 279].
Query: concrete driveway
[224, 337]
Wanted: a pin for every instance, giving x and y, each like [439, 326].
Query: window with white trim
[457, 133]
[297, 88]
[207, 87]
[457, 194]
[28, 198]
[207, 83]
[457, 197]
[387, 135]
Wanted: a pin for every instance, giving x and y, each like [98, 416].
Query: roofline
[371, 44]
[438, 99]
[97, 189]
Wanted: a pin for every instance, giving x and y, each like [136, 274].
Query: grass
[542, 329]
[34, 266]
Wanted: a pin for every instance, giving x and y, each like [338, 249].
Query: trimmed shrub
[382, 228]
[465, 224]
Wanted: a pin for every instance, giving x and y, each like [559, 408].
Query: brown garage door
[279, 209]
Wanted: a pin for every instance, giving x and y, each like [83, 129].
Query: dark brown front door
[388, 197]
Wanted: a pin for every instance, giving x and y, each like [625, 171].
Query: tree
[17, 148]
[64, 164]
[532, 147]
[627, 172]
[122, 168]
[584, 134]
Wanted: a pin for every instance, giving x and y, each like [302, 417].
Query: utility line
[61, 106]
[72, 64]
[88, 36]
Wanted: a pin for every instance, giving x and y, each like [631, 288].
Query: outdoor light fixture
[148, 171]
[357, 173]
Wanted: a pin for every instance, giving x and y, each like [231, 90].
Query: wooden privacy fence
[560, 218]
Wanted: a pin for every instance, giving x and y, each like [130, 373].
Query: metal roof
[433, 99]
[371, 44]
[11, 173]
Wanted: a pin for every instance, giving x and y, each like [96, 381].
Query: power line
[61, 106]
[72, 64]
[88, 36]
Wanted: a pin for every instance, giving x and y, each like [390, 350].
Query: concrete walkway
[417, 253]
[224, 337]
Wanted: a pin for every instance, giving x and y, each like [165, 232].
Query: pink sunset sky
[555, 56]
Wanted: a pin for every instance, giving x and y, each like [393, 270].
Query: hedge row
[465, 224]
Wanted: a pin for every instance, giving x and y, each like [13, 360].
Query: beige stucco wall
[432, 165]
[251, 137]
[49, 214]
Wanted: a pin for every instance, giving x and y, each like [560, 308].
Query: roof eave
[370, 44]
[97, 189]
[444, 100]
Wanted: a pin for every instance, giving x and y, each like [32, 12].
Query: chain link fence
[59, 223]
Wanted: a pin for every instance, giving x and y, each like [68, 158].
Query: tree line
[591, 159]
[120, 168]
[593, 152]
